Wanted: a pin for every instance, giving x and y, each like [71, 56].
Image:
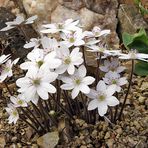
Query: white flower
[99, 48]
[66, 27]
[102, 98]
[18, 21]
[37, 59]
[6, 69]
[34, 42]
[18, 101]
[37, 83]
[97, 32]
[114, 78]
[49, 44]
[69, 60]
[78, 82]
[73, 39]
[13, 114]
[4, 58]
[133, 55]
[90, 42]
[112, 65]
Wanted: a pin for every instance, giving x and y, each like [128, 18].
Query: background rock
[130, 19]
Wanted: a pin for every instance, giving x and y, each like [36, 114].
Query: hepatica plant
[56, 79]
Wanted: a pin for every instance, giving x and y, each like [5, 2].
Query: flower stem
[98, 70]
[23, 32]
[84, 56]
[23, 119]
[35, 118]
[128, 89]
[28, 116]
[58, 93]
[36, 109]
[43, 114]
[64, 110]
[116, 109]
[8, 88]
[67, 99]
[85, 109]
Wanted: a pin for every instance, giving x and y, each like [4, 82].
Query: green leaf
[141, 68]
[127, 39]
[137, 2]
[142, 9]
[138, 41]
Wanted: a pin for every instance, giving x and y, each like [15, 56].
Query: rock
[107, 135]
[2, 142]
[130, 19]
[119, 131]
[49, 140]
[141, 99]
[94, 134]
[144, 86]
[72, 4]
[13, 40]
[42, 8]
[110, 143]
[131, 141]
[101, 6]
[87, 18]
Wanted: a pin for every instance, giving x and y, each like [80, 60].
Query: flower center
[114, 82]
[14, 113]
[132, 54]
[101, 49]
[36, 82]
[101, 97]
[71, 40]
[112, 68]
[67, 61]
[40, 63]
[20, 102]
[60, 26]
[77, 81]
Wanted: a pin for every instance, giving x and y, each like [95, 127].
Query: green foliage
[141, 68]
[138, 41]
[142, 9]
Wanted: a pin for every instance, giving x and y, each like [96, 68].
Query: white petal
[92, 94]
[42, 92]
[67, 86]
[88, 80]
[84, 89]
[79, 43]
[93, 104]
[71, 69]
[22, 82]
[7, 28]
[74, 51]
[104, 68]
[27, 65]
[122, 81]
[110, 90]
[54, 63]
[101, 86]
[75, 92]
[82, 71]
[31, 19]
[102, 108]
[112, 101]
[50, 88]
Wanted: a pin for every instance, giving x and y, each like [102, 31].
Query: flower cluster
[56, 69]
